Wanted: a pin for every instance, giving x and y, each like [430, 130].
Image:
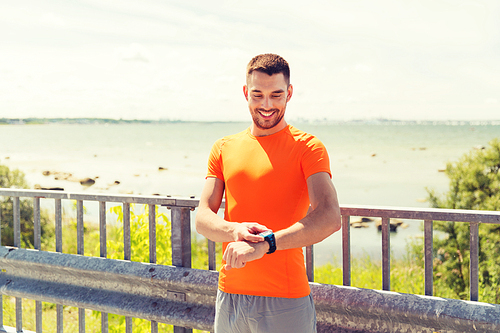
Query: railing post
[474, 261]
[103, 253]
[346, 251]
[80, 249]
[310, 258]
[58, 213]
[428, 259]
[212, 262]
[127, 251]
[16, 207]
[58, 222]
[310, 263]
[386, 254]
[37, 225]
[17, 221]
[152, 249]
[181, 244]
[181, 236]
[38, 246]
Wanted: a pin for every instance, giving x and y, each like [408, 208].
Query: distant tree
[16, 179]
[474, 184]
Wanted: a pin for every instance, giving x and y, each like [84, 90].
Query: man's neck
[256, 131]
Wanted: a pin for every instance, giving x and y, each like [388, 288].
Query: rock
[361, 223]
[363, 220]
[87, 181]
[358, 225]
[393, 224]
[126, 192]
[162, 168]
[38, 187]
[58, 175]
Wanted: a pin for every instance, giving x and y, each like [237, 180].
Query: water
[383, 165]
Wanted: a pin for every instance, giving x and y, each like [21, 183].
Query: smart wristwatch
[269, 238]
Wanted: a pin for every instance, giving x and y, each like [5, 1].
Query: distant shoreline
[111, 121]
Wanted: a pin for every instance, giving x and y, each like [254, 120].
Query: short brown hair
[270, 64]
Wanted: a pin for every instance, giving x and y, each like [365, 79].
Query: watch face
[265, 233]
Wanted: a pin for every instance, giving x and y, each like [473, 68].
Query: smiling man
[279, 196]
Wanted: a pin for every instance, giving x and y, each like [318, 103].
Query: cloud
[52, 19]
[362, 68]
[361, 56]
[491, 101]
[135, 52]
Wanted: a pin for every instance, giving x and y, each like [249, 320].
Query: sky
[185, 60]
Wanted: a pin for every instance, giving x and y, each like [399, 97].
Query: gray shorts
[258, 314]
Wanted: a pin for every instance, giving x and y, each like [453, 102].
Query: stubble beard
[267, 124]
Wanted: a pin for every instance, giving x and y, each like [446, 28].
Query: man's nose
[266, 103]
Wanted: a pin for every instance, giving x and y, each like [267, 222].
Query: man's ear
[289, 93]
[245, 91]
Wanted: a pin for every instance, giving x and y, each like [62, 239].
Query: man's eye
[276, 96]
[257, 96]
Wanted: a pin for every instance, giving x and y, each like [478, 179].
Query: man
[270, 173]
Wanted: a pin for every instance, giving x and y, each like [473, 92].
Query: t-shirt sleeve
[315, 158]
[215, 161]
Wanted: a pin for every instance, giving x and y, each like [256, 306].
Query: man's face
[267, 96]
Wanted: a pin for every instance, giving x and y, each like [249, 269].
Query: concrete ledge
[349, 309]
[186, 297]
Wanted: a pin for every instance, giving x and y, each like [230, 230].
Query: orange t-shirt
[265, 182]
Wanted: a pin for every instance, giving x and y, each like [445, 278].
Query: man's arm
[214, 227]
[320, 222]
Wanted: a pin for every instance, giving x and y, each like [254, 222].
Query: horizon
[431, 60]
[367, 121]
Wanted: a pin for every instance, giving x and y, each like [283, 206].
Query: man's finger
[254, 238]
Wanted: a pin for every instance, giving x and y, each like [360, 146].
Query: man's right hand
[213, 226]
[248, 231]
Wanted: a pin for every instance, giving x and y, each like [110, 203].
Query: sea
[372, 163]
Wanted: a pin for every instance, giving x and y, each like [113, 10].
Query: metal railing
[428, 215]
[183, 296]
[180, 233]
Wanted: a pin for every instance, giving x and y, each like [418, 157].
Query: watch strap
[271, 240]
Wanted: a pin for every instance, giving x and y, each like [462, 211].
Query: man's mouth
[267, 114]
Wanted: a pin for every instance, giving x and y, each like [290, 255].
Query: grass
[407, 275]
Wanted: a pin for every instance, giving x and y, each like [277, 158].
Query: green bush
[474, 184]
[15, 179]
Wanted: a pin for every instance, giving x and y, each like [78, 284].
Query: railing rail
[181, 257]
